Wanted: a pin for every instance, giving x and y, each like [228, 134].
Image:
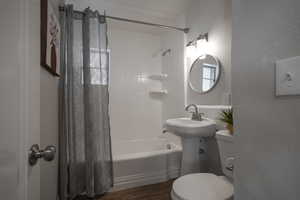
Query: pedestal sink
[192, 134]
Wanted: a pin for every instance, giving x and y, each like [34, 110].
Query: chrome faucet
[195, 114]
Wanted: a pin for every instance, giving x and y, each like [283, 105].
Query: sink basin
[185, 127]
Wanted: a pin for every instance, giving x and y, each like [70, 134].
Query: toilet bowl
[202, 186]
[207, 186]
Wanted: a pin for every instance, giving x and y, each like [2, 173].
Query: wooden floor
[159, 191]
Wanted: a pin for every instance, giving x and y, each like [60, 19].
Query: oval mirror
[204, 74]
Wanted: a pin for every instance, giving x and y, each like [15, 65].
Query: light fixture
[192, 43]
[203, 37]
[200, 37]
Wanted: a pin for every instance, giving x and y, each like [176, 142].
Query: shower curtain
[85, 143]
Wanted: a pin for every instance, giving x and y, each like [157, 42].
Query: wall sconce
[200, 37]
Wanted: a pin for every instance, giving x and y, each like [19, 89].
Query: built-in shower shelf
[158, 77]
[159, 92]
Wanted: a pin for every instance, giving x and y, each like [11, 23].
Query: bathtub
[142, 162]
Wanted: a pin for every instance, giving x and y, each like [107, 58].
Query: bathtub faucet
[195, 114]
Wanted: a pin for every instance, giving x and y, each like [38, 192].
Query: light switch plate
[288, 76]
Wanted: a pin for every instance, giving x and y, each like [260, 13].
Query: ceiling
[161, 8]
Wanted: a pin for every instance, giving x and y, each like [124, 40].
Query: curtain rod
[185, 30]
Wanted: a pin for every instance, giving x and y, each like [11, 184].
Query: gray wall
[214, 17]
[267, 127]
[48, 125]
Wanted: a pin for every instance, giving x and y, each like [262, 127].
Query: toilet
[207, 186]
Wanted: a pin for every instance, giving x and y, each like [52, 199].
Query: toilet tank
[226, 150]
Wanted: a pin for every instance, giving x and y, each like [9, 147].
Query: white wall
[214, 17]
[267, 127]
[134, 113]
[173, 66]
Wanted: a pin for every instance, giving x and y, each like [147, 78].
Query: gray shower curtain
[85, 143]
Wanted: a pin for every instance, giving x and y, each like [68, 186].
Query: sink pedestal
[193, 155]
[192, 133]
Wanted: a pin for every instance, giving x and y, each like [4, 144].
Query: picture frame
[50, 38]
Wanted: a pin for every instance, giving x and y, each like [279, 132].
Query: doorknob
[35, 153]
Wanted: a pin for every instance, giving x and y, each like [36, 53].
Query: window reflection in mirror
[204, 74]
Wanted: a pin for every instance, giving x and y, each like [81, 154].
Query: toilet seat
[202, 186]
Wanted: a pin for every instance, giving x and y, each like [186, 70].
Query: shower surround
[140, 150]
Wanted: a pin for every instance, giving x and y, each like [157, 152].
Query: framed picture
[50, 38]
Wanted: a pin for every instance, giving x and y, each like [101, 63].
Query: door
[14, 105]
[23, 111]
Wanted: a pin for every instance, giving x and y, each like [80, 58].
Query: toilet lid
[202, 187]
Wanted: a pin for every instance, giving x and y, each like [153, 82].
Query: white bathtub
[142, 162]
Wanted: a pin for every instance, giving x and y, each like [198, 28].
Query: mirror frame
[217, 80]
